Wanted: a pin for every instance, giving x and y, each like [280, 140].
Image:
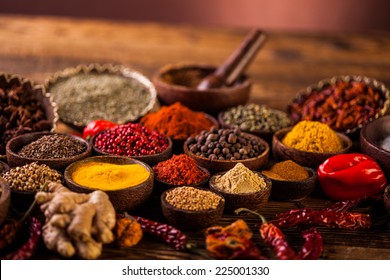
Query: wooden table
[36, 47]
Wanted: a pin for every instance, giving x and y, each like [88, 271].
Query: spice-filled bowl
[180, 170]
[345, 103]
[241, 188]
[256, 119]
[134, 141]
[26, 107]
[25, 181]
[219, 150]
[191, 208]
[177, 83]
[283, 152]
[101, 91]
[128, 182]
[56, 150]
[375, 142]
[5, 198]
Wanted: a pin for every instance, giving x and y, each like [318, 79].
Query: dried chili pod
[313, 246]
[345, 220]
[27, 250]
[232, 242]
[273, 237]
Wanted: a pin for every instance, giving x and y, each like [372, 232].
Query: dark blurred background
[303, 15]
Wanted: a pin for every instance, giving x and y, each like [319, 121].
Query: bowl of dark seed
[191, 208]
[110, 92]
[219, 150]
[24, 181]
[56, 150]
[25, 107]
[259, 120]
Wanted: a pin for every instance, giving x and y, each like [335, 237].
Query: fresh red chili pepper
[95, 127]
[351, 176]
[313, 246]
[27, 250]
[344, 220]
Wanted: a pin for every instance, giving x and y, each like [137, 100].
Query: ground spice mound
[287, 170]
[179, 170]
[177, 121]
[312, 136]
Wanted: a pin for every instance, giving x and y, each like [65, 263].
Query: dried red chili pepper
[95, 127]
[343, 220]
[313, 246]
[27, 250]
[232, 242]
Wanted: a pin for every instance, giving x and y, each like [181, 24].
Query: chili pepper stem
[32, 206]
[240, 210]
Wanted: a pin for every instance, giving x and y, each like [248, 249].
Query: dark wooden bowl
[386, 198]
[44, 98]
[123, 199]
[215, 166]
[254, 201]
[161, 186]
[17, 143]
[190, 220]
[3, 167]
[310, 159]
[177, 83]
[5, 198]
[284, 190]
[150, 160]
[370, 136]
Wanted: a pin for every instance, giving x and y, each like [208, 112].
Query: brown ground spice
[287, 170]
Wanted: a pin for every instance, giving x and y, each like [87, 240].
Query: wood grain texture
[36, 47]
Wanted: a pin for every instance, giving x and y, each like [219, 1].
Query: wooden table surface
[36, 47]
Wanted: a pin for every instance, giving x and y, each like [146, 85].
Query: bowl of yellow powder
[128, 182]
[309, 143]
[241, 187]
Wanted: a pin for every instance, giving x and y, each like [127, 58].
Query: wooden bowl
[150, 160]
[309, 159]
[122, 105]
[123, 199]
[386, 198]
[254, 200]
[17, 143]
[160, 186]
[284, 190]
[3, 167]
[5, 198]
[177, 83]
[45, 99]
[370, 136]
[215, 166]
[190, 220]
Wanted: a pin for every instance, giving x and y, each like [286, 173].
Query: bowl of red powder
[180, 170]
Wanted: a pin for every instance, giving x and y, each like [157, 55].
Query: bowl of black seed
[56, 150]
[220, 150]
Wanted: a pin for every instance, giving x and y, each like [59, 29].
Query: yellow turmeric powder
[107, 176]
[312, 136]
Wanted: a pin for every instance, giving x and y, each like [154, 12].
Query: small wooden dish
[215, 166]
[254, 201]
[191, 220]
[123, 199]
[5, 198]
[370, 136]
[161, 186]
[17, 143]
[177, 83]
[310, 159]
[150, 160]
[284, 190]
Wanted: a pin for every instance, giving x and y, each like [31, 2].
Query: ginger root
[76, 223]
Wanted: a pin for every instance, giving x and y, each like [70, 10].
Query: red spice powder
[179, 170]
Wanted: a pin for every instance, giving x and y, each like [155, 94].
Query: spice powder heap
[109, 176]
[240, 179]
[179, 170]
[189, 198]
[287, 170]
[177, 121]
[312, 136]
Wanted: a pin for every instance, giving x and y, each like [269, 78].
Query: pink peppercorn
[131, 140]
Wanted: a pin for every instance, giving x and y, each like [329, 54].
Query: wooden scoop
[233, 67]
